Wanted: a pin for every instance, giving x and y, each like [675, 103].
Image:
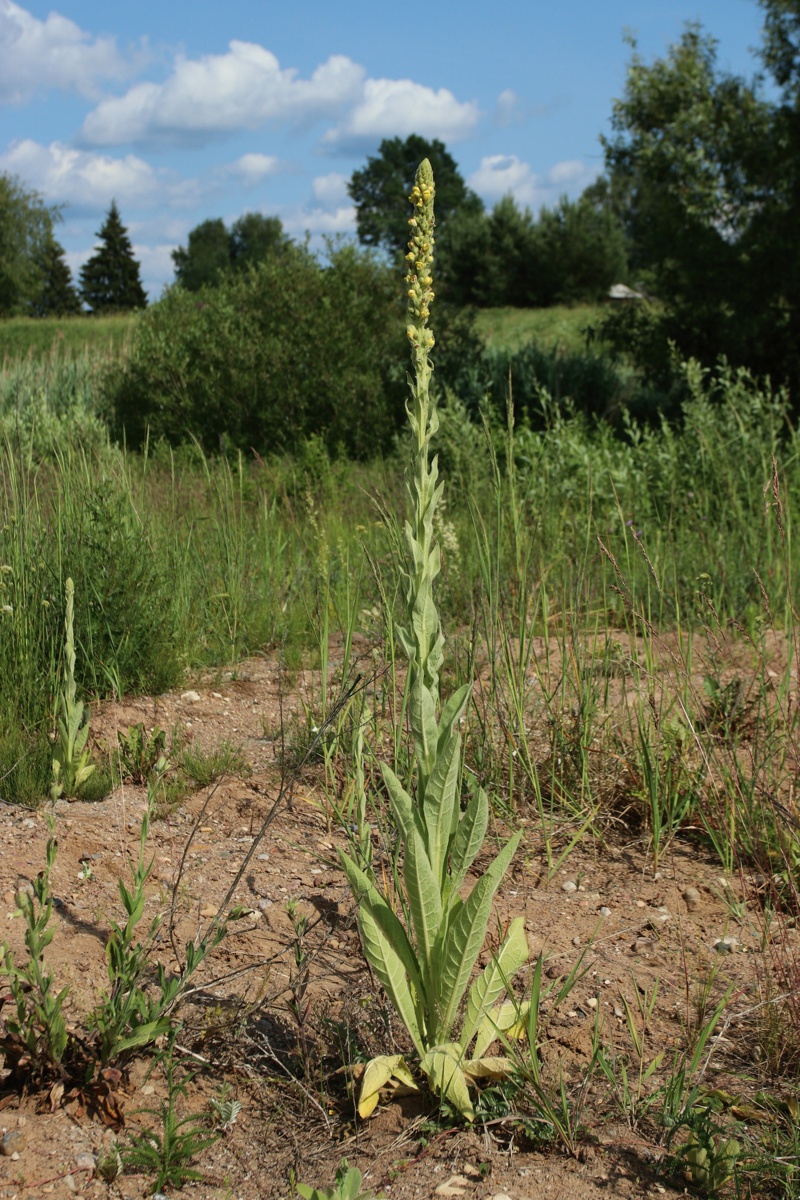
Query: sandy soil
[296, 1121]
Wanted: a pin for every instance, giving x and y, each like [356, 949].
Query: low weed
[165, 1151]
[348, 1186]
[34, 1039]
[204, 767]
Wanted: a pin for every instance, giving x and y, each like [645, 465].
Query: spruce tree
[110, 279]
[58, 296]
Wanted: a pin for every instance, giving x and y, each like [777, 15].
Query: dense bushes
[265, 359]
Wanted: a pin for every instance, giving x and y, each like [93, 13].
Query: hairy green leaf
[465, 937]
[493, 980]
[424, 901]
[440, 808]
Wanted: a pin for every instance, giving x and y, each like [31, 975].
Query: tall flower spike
[422, 637]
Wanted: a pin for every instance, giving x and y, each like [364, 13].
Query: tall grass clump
[52, 402]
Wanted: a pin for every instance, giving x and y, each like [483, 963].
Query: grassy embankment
[70, 336]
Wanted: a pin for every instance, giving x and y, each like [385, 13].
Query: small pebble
[692, 898]
[726, 945]
[605, 912]
[86, 1162]
[641, 904]
[592, 1003]
[576, 941]
[190, 697]
[264, 904]
[69, 1182]
[618, 1011]
[569, 887]
[12, 1142]
[263, 858]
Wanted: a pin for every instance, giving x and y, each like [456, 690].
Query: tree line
[35, 277]
[698, 207]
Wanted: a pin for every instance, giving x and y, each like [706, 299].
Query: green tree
[110, 279]
[212, 251]
[58, 296]
[777, 222]
[26, 226]
[693, 155]
[380, 191]
[253, 238]
[241, 370]
[205, 258]
[578, 252]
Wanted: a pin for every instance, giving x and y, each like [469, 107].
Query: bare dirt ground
[296, 1120]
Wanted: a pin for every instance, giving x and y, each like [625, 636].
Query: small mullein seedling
[72, 763]
[35, 1037]
[348, 1187]
[139, 752]
[424, 949]
[709, 1159]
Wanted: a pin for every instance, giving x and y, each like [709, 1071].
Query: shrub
[288, 349]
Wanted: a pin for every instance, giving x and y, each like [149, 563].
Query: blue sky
[182, 111]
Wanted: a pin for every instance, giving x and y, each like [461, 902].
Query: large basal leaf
[509, 1018]
[389, 968]
[487, 1068]
[441, 804]
[377, 1074]
[443, 1067]
[492, 981]
[388, 949]
[424, 901]
[464, 940]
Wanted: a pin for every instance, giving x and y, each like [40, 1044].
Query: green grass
[562, 326]
[68, 336]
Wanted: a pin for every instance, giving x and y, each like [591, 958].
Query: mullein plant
[423, 940]
[72, 763]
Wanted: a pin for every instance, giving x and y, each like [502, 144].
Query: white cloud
[331, 190]
[88, 181]
[319, 221]
[507, 109]
[570, 174]
[252, 169]
[246, 87]
[504, 174]
[54, 53]
[221, 93]
[399, 107]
